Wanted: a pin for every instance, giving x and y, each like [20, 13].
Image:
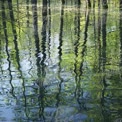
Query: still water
[60, 63]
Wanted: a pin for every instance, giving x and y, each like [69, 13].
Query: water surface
[60, 63]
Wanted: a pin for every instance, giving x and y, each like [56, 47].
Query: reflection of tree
[18, 15]
[7, 51]
[43, 73]
[27, 8]
[40, 59]
[17, 54]
[60, 52]
[49, 27]
[37, 45]
[95, 32]
[89, 3]
[99, 40]
[98, 3]
[94, 24]
[94, 3]
[120, 2]
[103, 63]
[44, 27]
[104, 20]
[84, 44]
[63, 2]
[36, 35]
[35, 24]
[58, 97]
[78, 69]
[120, 24]
[104, 4]
[86, 26]
[78, 2]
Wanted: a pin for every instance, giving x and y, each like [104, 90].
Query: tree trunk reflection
[120, 34]
[60, 54]
[104, 45]
[7, 50]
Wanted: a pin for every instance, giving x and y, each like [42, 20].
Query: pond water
[60, 63]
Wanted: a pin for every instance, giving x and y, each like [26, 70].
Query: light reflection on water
[60, 65]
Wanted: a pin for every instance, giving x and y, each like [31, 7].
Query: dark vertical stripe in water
[94, 3]
[1, 43]
[94, 23]
[7, 50]
[104, 21]
[16, 48]
[35, 25]
[27, 8]
[63, 2]
[99, 2]
[95, 35]
[44, 4]
[60, 53]
[104, 4]
[120, 3]
[77, 34]
[76, 45]
[36, 36]
[89, 3]
[86, 26]
[77, 29]
[99, 39]
[79, 70]
[44, 35]
[120, 25]
[49, 27]
[61, 32]
[85, 40]
[79, 3]
[105, 112]
[14, 32]
[44, 29]
[18, 18]
[120, 34]
[38, 59]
